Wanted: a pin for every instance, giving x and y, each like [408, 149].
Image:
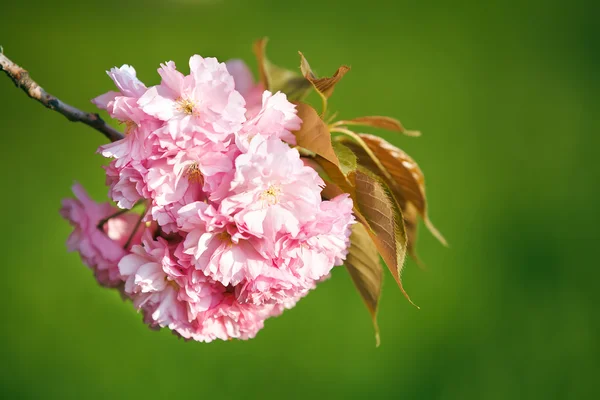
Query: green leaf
[362, 262]
[346, 158]
[275, 78]
[383, 213]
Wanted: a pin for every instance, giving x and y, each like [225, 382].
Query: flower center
[194, 174]
[171, 282]
[129, 126]
[225, 237]
[186, 106]
[271, 195]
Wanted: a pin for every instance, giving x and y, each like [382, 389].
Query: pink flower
[180, 177]
[224, 256]
[122, 105]
[230, 319]
[331, 230]
[244, 84]
[101, 247]
[242, 232]
[172, 294]
[138, 145]
[204, 102]
[298, 263]
[126, 184]
[151, 273]
[202, 168]
[276, 119]
[273, 192]
[322, 243]
[275, 285]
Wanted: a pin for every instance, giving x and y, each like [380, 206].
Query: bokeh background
[506, 95]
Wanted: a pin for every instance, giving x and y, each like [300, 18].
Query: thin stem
[135, 229]
[365, 147]
[21, 79]
[103, 221]
[324, 100]
[356, 138]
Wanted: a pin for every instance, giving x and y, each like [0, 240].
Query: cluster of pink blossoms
[235, 230]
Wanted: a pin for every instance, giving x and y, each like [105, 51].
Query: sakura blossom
[233, 228]
[102, 235]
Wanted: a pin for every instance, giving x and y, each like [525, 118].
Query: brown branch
[21, 79]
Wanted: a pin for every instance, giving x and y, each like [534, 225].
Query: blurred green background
[506, 95]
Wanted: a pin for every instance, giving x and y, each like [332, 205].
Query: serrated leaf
[275, 78]
[346, 158]
[384, 216]
[325, 85]
[337, 183]
[409, 211]
[314, 134]
[388, 123]
[403, 176]
[407, 175]
[362, 262]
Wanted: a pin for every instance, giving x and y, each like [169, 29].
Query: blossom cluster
[234, 229]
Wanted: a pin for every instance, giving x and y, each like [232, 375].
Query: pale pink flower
[322, 243]
[273, 192]
[275, 285]
[276, 119]
[204, 102]
[242, 230]
[126, 184]
[172, 294]
[122, 105]
[298, 263]
[230, 319]
[174, 173]
[139, 144]
[126, 81]
[152, 278]
[224, 256]
[101, 247]
[245, 85]
[332, 228]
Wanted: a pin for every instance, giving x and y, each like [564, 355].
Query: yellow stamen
[271, 195]
[225, 237]
[194, 174]
[185, 105]
[129, 126]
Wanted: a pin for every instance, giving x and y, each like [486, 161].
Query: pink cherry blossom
[172, 294]
[150, 273]
[101, 246]
[126, 184]
[204, 101]
[230, 319]
[244, 84]
[273, 191]
[122, 106]
[223, 255]
[239, 231]
[276, 119]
